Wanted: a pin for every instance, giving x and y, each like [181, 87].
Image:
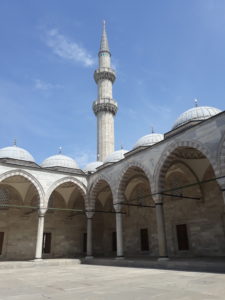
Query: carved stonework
[189, 153]
[104, 73]
[105, 106]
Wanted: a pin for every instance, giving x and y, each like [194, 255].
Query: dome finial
[121, 147]
[60, 150]
[196, 102]
[14, 142]
[152, 129]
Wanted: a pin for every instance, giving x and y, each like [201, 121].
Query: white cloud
[44, 86]
[68, 49]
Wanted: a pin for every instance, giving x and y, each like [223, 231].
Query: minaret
[104, 107]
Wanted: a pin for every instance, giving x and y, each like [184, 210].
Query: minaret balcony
[105, 104]
[104, 73]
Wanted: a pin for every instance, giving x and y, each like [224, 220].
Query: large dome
[60, 160]
[198, 113]
[16, 153]
[115, 156]
[149, 140]
[91, 167]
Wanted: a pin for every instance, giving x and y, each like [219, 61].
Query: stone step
[207, 265]
[39, 263]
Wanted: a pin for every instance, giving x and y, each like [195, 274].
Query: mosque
[163, 198]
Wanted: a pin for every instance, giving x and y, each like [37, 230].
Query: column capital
[117, 207]
[89, 214]
[41, 212]
[158, 199]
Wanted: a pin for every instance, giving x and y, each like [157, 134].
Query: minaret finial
[60, 150]
[14, 142]
[196, 102]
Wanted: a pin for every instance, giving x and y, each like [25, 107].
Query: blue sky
[166, 53]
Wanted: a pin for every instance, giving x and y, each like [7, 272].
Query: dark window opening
[144, 239]
[182, 237]
[47, 237]
[85, 242]
[1, 241]
[114, 245]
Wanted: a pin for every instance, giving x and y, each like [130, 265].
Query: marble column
[89, 238]
[40, 231]
[163, 255]
[119, 233]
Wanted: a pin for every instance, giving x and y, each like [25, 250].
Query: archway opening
[193, 206]
[140, 236]
[104, 221]
[65, 223]
[19, 203]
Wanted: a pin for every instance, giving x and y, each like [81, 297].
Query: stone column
[89, 238]
[163, 255]
[119, 232]
[40, 231]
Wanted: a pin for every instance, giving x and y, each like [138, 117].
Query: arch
[122, 178]
[68, 179]
[93, 189]
[29, 177]
[221, 156]
[168, 156]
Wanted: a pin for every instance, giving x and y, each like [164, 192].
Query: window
[1, 241]
[182, 237]
[47, 237]
[85, 242]
[114, 245]
[144, 239]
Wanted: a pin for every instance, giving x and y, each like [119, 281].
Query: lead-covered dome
[149, 140]
[15, 152]
[91, 167]
[197, 113]
[115, 156]
[60, 160]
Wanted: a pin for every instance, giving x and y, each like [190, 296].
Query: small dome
[91, 167]
[149, 140]
[115, 156]
[60, 160]
[198, 113]
[16, 153]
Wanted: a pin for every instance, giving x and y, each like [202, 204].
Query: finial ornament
[152, 128]
[196, 102]
[60, 150]
[14, 142]
[121, 147]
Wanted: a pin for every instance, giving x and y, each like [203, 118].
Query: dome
[197, 113]
[16, 153]
[91, 167]
[115, 156]
[149, 140]
[60, 160]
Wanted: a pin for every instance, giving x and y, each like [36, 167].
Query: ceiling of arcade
[193, 158]
[24, 189]
[67, 195]
[177, 177]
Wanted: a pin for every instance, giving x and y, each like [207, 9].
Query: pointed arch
[30, 178]
[93, 189]
[168, 156]
[124, 174]
[68, 179]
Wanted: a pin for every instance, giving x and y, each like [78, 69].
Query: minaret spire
[104, 45]
[105, 107]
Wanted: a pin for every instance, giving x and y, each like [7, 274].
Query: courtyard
[106, 282]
